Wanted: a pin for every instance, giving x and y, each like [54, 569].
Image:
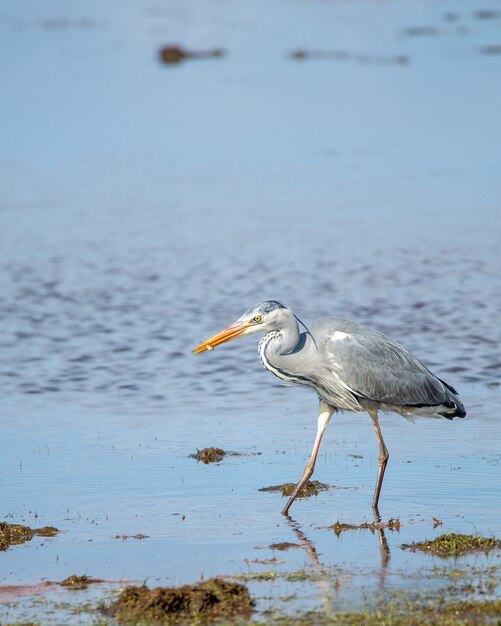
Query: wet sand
[144, 206]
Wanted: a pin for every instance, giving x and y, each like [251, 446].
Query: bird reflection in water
[377, 528]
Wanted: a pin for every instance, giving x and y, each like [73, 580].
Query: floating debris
[284, 545]
[342, 55]
[125, 537]
[209, 455]
[391, 524]
[454, 545]
[213, 599]
[312, 488]
[15, 534]
[79, 582]
[175, 54]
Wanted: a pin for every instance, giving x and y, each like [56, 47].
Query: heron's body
[350, 366]
[328, 359]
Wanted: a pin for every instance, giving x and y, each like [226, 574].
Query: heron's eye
[257, 318]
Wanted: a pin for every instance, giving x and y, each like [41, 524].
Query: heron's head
[261, 318]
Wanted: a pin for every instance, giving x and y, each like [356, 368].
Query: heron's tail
[454, 406]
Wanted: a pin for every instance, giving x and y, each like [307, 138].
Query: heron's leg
[382, 461]
[325, 413]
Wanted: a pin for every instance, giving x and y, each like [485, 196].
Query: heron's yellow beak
[232, 331]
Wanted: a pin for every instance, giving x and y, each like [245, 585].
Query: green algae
[454, 545]
[16, 534]
[311, 488]
[212, 600]
[258, 576]
[407, 613]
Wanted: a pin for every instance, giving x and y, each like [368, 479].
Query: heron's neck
[279, 343]
[287, 337]
[279, 351]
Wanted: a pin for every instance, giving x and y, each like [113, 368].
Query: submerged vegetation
[212, 600]
[284, 545]
[300, 575]
[402, 613]
[453, 545]
[391, 524]
[15, 534]
[312, 488]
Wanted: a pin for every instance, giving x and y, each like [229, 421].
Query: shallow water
[144, 207]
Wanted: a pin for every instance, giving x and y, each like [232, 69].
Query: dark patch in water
[342, 55]
[491, 50]
[63, 24]
[487, 14]
[125, 537]
[420, 31]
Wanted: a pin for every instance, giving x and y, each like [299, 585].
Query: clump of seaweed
[79, 582]
[209, 455]
[454, 545]
[15, 534]
[391, 524]
[284, 545]
[311, 488]
[175, 54]
[213, 599]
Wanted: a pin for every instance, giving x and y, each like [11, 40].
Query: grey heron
[350, 366]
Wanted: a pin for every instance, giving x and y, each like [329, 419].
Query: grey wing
[374, 367]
